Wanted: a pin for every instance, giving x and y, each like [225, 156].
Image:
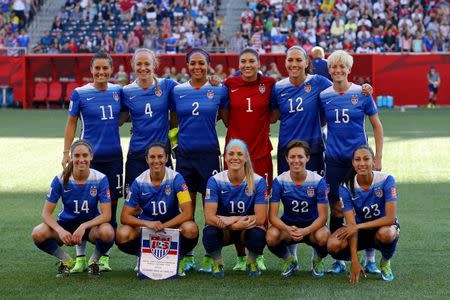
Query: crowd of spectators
[15, 16]
[361, 26]
[121, 26]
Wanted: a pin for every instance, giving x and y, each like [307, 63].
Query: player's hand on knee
[66, 237]
[155, 225]
[77, 236]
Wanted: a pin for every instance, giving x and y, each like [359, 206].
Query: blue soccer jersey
[149, 110]
[299, 202]
[197, 111]
[345, 115]
[99, 114]
[80, 202]
[158, 203]
[369, 204]
[235, 200]
[300, 111]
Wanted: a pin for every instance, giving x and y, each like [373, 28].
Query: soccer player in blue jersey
[164, 200]
[235, 209]
[345, 109]
[198, 105]
[81, 189]
[304, 197]
[369, 202]
[98, 106]
[147, 100]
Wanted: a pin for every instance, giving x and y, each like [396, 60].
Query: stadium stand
[122, 26]
[363, 26]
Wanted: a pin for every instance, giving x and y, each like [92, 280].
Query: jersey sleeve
[55, 190]
[224, 101]
[124, 106]
[346, 198]
[322, 197]
[276, 191]
[324, 83]
[74, 105]
[273, 98]
[104, 194]
[133, 196]
[212, 190]
[181, 189]
[261, 192]
[369, 106]
[171, 84]
[390, 189]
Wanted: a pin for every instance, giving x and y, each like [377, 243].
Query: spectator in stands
[274, 72]
[73, 46]
[389, 40]
[121, 76]
[57, 25]
[132, 42]
[126, 9]
[84, 48]
[120, 44]
[108, 43]
[23, 40]
[66, 48]
[18, 7]
[337, 27]
[46, 40]
[183, 76]
[406, 41]
[417, 43]
[237, 43]
[429, 42]
[170, 44]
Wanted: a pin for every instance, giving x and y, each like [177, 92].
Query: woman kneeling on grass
[235, 209]
[369, 200]
[163, 198]
[303, 194]
[81, 189]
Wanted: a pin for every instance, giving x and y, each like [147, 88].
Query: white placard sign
[159, 254]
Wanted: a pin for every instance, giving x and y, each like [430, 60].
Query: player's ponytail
[69, 168]
[248, 167]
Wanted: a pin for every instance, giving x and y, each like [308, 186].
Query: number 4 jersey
[80, 201]
[369, 204]
[99, 114]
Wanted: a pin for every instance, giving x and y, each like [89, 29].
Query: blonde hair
[317, 51]
[340, 56]
[248, 167]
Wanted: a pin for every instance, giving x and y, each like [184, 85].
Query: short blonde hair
[340, 56]
[317, 51]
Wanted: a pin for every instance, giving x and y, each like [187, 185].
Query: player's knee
[122, 235]
[334, 245]
[272, 236]
[385, 235]
[322, 236]
[189, 230]
[106, 233]
[38, 235]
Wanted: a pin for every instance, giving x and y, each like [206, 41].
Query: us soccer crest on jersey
[159, 254]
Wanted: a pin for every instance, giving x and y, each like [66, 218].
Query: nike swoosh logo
[353, 199]
[87, 99]
[328, 101]
[182, 96]
[145, 194]
[132, 97]
[284, 94]
[224, 192]
[286, 192]
[234, 90]
[66, 191]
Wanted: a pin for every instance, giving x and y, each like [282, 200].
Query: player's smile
[143, 65]
[235, 158]
[248, 65]
[297, 159]
[101, 70]
[363, 162]
[81, 158]
[295, 63]
[198, 67]
[339, 71]
[156, 159]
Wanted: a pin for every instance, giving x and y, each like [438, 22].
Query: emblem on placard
[160, 245]
[354, 99]
[379, 192]
[167, 190]
[310, 191]
[116, 96]
[307, 88]
[210, 94]
[158, 92]
[93, 191]
[262, 88]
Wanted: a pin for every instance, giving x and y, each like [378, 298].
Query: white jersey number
[104, 112]
[159, 209]
[372, 211]
[240, 206]
[300, 206]
[84, 206]
[148, 110]
[195, 111]
[342, 116]
[298, 108]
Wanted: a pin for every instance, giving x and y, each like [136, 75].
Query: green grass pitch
[416, 152]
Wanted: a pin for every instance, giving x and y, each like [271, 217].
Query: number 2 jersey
[99, 114]
[299, 201]
[80, 201]
[345, 115]
[235, 200]
[197, 111]
[158, 203]
[369, 204]
[249, 113]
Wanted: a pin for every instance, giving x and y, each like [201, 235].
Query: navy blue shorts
[432, 89]
[197, 169]
[114, 171]
[135, 166]
[334, 175]
[71, 226]
[314, 164]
